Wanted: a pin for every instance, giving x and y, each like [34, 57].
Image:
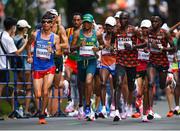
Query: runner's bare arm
[28, 46]
[74, 44]
[100, 40]
[30, 41]
[20, 50]
[170, 41]
[57, 45]
[174, 27]
[63, 36]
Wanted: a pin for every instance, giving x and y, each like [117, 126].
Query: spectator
[7, 46]
[23, 75]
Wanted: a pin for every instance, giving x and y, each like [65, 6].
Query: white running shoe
[81, 114]
[112, 114]
[70, 107]
[176, 110]
[73, 114]
[150, 115]
[129, 111]
[157, 116]
[117, 116]
[123, 115]
[144, 118]
[103, 113]
[91, 116]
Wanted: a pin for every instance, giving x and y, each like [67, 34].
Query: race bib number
[106, 52]
[121, 44]
[43, 53]
[86, 51]
[143, 56]
[178, 55]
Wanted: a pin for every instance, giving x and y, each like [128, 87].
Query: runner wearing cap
[43, 61]
[85, 40]
[58, 29]
[141, 76]
[24, 75]
[108, 61]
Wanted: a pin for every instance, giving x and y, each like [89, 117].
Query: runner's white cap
[146, 23]
[53, 11]
[117, 14]
[165, 27]
[23, 24]
[110, 21]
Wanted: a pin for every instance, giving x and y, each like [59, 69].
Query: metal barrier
[15, 83]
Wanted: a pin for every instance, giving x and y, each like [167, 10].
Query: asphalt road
[70, 123]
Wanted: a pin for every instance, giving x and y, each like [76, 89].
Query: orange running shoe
[170, 114]
[136, 115]
[42, 121]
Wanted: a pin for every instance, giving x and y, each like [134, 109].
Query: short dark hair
[9, 22]
[77, 13]
[124, 13]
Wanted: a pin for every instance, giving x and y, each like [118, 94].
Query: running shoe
[170, 114]
[73, 114]
[103, 113]
[112, 114]
[96, 115]
[136, 115]
[144, 118]
[123, 115]
[150, 115]
[157, 116]
[42, 119]
[27, 114]
[117, 116]
[129, 111]
[87, 112]
[176, 110]
[91, 117]
[70, 107]
[80, 113]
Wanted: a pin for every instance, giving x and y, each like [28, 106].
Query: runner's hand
[49, 48]
[30, 60]
[95, 49]
[127, 46]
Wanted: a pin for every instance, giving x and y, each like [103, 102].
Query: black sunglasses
[46, 21]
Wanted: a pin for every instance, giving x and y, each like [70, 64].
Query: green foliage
[5, 108]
